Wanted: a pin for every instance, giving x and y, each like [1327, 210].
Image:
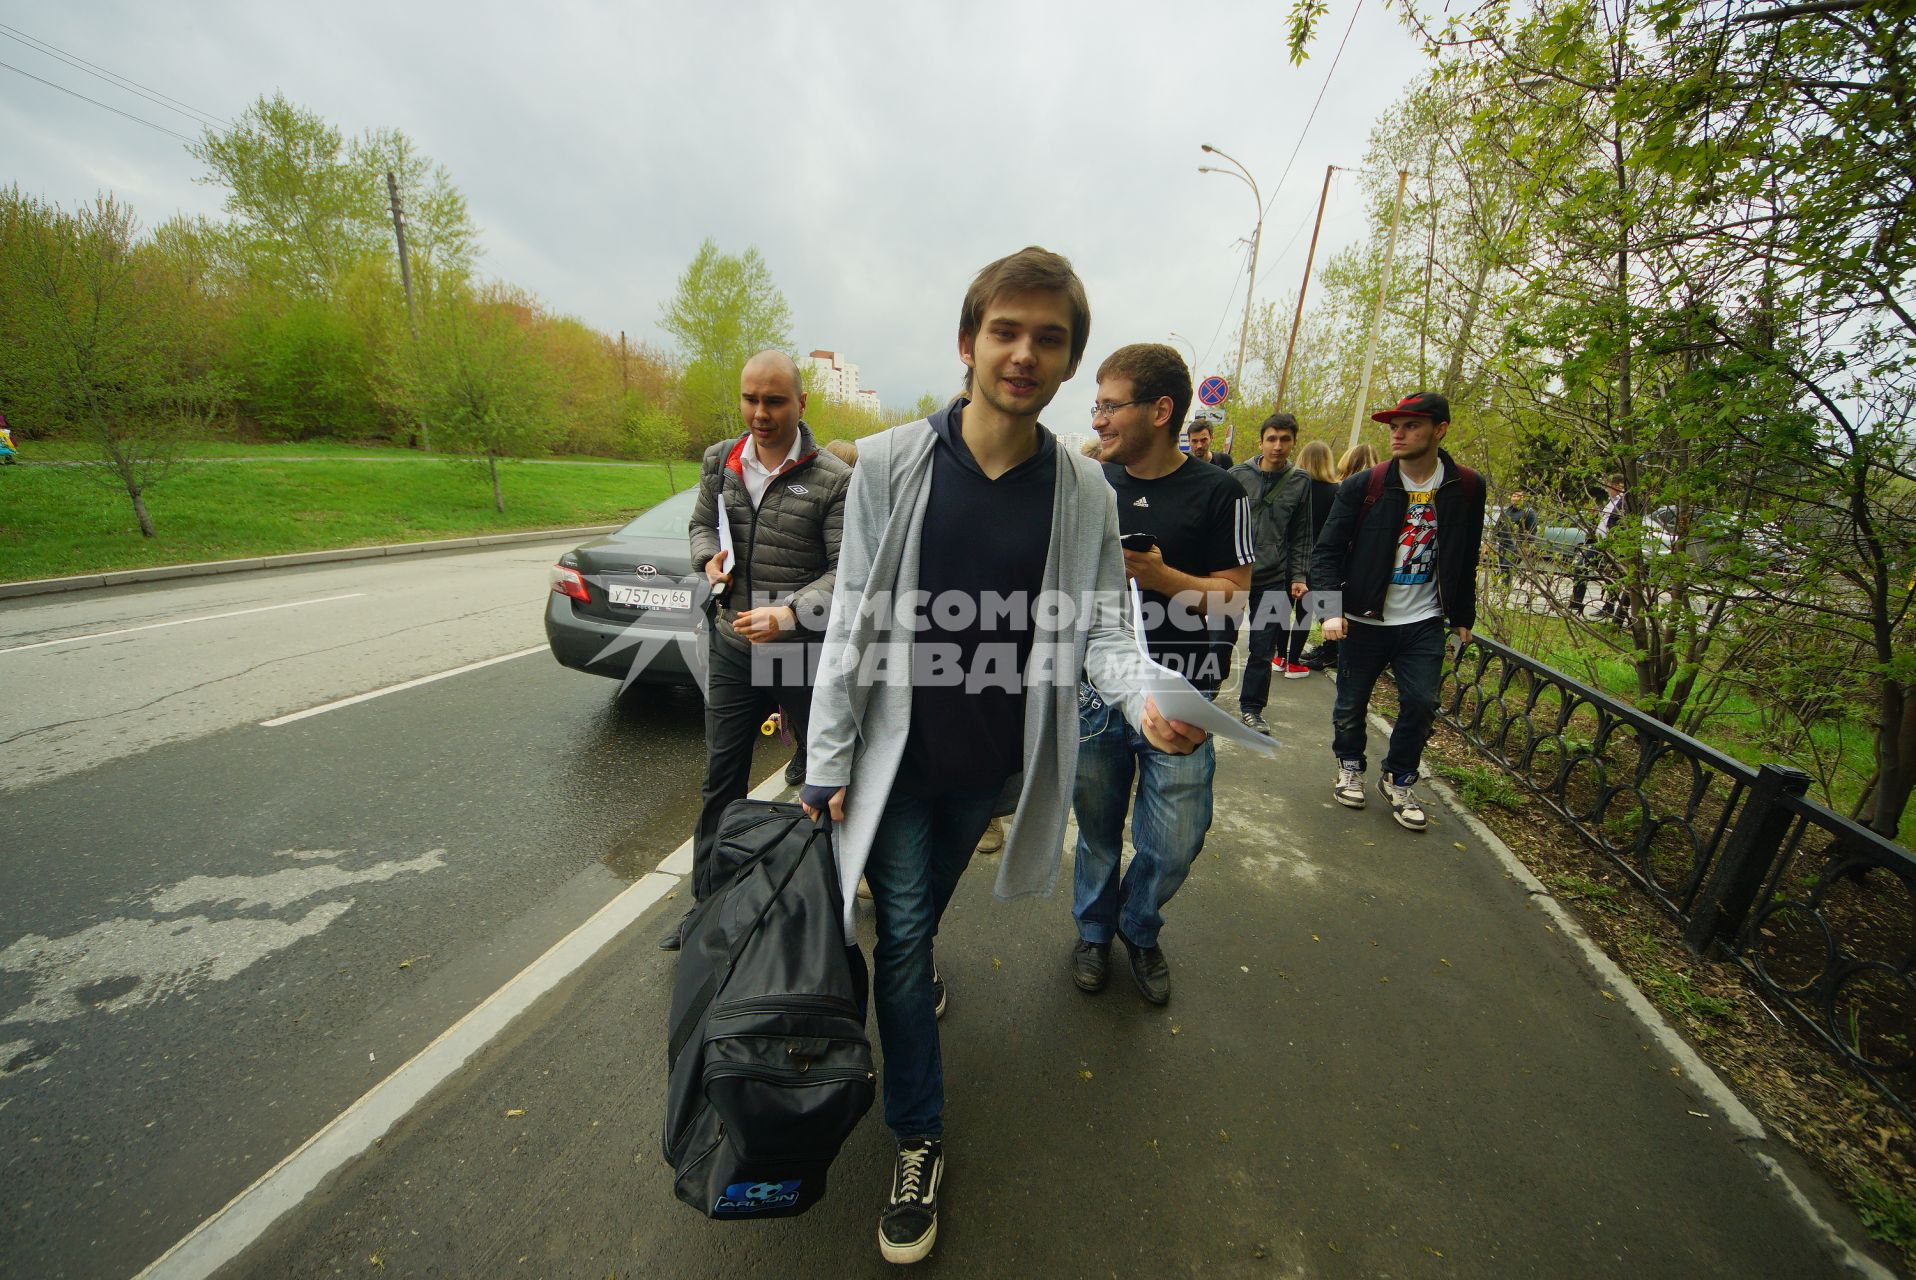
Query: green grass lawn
[32, 451]
[56, 521]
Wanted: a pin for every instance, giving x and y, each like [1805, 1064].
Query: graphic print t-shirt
[1202, 522]
[1412, 595]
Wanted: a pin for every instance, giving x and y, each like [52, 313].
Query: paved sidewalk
[1382, 1057]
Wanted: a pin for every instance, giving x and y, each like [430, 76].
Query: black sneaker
[795, 771]
[910, 1225]
[938, 996]
[1255, 720]
[1090, 964]
[1149, 971]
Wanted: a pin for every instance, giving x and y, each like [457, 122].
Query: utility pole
[1430, 266]
[625, 375]
[405, 280]
[1290, 349]
[1377, 316]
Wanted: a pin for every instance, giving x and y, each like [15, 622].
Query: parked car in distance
[631, 596]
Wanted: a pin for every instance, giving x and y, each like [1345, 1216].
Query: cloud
[877, 154]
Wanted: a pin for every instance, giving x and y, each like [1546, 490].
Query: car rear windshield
[669, 517]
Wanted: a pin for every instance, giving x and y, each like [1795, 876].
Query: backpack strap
[1373, 490]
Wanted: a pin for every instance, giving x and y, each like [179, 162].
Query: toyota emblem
[647, 570]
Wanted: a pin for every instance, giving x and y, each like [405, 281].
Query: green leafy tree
[651, 431]
[96, 346]
[477, 376]
[307, 204]
[724, 309]
[303, 370]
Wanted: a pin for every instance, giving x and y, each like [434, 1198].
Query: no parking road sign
[1212, 391]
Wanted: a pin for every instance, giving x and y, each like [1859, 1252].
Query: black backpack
[770, 1066]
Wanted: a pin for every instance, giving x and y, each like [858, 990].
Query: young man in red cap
[1398, 556]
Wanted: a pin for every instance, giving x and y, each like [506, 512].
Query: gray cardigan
[859, 726]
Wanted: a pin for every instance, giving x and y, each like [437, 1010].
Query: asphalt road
[214, 935]
[1381, 1058]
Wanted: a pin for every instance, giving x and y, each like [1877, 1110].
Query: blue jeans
[920, 849]
[1415, 655]
[1167, 831]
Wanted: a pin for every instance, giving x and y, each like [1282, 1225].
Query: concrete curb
[1748, 1129]
[209, 568]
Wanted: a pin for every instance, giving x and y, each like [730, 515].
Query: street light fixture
[1178, 337]
[1243, 175]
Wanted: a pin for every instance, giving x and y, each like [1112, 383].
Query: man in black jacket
[1399, 557]
[785, 505]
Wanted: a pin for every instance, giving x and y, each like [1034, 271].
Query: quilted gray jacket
[788, 546]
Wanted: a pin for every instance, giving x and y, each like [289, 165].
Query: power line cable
[114, 78]
[96, 102]
[1227, 306]
[1321, 89]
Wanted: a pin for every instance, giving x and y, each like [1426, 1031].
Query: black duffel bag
[770, 1066]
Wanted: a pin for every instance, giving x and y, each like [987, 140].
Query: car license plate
[650, 597]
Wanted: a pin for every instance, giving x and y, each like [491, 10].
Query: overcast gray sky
[876, 153]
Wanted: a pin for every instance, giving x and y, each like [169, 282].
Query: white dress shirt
[757, 475]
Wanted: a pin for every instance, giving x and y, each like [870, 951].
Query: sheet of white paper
[1178, 699]
[725, 535]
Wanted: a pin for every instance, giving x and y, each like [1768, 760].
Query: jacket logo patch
[799, 489]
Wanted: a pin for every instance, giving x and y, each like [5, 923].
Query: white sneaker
[1404, 805]
[1349, 787]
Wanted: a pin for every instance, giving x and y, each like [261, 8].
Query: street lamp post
[1250, 284]
[1178, 337]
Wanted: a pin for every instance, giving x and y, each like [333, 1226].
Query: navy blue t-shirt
[982, 538]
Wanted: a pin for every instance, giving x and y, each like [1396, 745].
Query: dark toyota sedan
[631, 597]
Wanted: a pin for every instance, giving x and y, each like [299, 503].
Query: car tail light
[567, 582]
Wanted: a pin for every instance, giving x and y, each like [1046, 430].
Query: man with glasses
[1186, 533]
[1399, 555]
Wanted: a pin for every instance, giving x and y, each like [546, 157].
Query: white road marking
[281, 1189]
[180, 622]
[147, 960]
[395, 688]
[131, 961]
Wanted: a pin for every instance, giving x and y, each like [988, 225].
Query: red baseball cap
[1428, 403]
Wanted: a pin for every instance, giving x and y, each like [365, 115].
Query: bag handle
[715, 981]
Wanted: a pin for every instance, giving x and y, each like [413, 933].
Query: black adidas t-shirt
[1202, 522]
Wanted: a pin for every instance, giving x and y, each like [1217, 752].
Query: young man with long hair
[979, 574]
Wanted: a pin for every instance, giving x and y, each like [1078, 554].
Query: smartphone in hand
[1137, 541]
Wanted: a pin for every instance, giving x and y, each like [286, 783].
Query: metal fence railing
[1817, 909]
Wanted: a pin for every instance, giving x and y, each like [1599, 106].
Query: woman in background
[1314, 460]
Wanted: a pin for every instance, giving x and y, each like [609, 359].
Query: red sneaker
[1293, 670]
